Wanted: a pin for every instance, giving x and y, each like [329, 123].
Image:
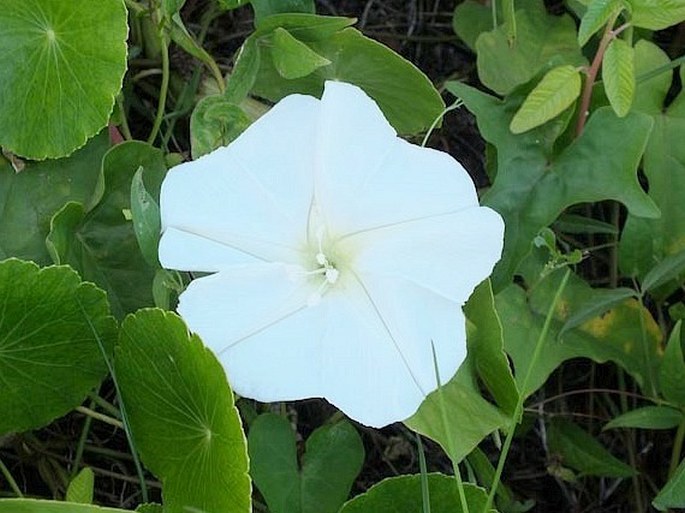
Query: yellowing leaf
[618, 73]
[557, 90]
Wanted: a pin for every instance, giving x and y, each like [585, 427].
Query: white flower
[341, 253]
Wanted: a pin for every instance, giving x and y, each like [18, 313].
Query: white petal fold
[253, 195]
[448, 254]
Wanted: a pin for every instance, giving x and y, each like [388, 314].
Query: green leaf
[572, 223]
[146, 220]
[405, 95]
[80, 488]
[668, 269]
[51, 332]
[486, 346]
[463, 400]
[244, 73]
[333, 457]
[556, 92]
[402, 494]
[61, 66]
[266, 8]
[543, 41]
[673, 494]
[215, 122]
[293, 58]
[615, 336]
[182, 416]
[598, 14]
[601, 301]
[171, 7]
[672, 371]
[618, 74]
[533, 187]
[656, 14]
[305, 27]
[227, 5]
[580, 451]
[29, 199]
[101, 243]
[647, 417]
[645, 242]
[150, 508]
[43, 506]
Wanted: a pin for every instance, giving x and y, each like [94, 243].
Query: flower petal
[447, 254]
[256, 319]
[368, 177]
[377, 353]
[253, 195]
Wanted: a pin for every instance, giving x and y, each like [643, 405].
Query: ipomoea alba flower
[341, 254]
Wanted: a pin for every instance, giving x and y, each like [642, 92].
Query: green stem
[99, 416]
[13, 484]
[518, 411]
[425, 492]
[448, 435]
[661, 69]
[126, 424]
[82, 442]
[164, 89]
[437, 120]
[677, 449]
[494, 14]
[125, 129]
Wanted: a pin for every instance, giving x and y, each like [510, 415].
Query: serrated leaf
[402, 494]
[672, 371]
[673, 494]
[597, 15]
[61, 66]
[293, 58]
[647, 417]
[542, 39]
[333, 457]
[656, 14]
[182, 415]
[601, 301]
[215, 122]
[618, 75]
[536, 182]
[43, 506]
[557, 91]
[580, 451]
[51, 332]
[668, 269]
[80, 488]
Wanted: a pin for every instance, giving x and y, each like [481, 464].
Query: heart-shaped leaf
[333, 457]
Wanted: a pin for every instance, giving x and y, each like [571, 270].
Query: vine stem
[10, 480]
[518, 411]
[164, 89]
[677, 449]
[609, 35]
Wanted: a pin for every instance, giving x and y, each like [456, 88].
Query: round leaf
[61, 65]
[51, 328]
[182, 416]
